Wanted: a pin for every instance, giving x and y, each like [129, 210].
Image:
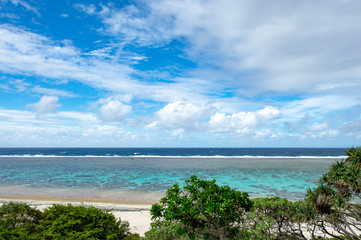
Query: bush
[278, 218]
[204, 209]
[80, 222]
[165, 230]
[20, 221]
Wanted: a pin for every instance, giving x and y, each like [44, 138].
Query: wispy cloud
[53, 92]
[273, 48]
[23, 52]
[26, 5]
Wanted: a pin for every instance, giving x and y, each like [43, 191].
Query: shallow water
[97, 176]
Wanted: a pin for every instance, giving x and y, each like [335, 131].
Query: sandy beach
[138, 215]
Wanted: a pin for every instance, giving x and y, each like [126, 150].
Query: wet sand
[80, 195]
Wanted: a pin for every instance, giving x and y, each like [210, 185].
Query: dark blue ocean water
[120, 172]
[227, 152]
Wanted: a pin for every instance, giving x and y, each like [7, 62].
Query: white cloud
[20, 85]
[106, 131]
[179, 115]
[4, 87]
[319, 106]
[53, 92]
[90, 9]
[319, 126]
[47, 104]
[241, 122]
[63, 128]
[23, 52]
[26, 5]
[112, 109]
[268, 112]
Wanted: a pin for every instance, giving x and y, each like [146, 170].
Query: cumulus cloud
[241, 122]
[65, 128]
[268, 112]
[47, 104]
[112, 109]
[179, 114]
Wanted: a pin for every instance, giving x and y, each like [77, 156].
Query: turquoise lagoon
[146, 178]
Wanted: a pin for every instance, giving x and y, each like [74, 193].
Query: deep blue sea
[144, 174]
[174, 152]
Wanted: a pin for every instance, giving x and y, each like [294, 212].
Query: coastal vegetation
[20, 221]
[204, 210]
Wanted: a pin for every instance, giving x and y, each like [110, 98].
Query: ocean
[142, 175]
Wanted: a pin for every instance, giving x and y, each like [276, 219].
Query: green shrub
[278, 218]
[165, 230]
[80, 222]
[204, 209]
[18, 220]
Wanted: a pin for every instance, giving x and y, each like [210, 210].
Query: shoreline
[75, 199]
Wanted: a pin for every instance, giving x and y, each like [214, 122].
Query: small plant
[165, 230]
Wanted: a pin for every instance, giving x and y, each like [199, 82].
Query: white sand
[138, 216]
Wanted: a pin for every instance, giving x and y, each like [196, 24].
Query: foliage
[278, 218]
[271, 218]
[165, 230]
[204, 209]
[80, 222]
[20, 221]
[133, 236]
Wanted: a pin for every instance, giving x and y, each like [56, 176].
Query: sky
[180, 73]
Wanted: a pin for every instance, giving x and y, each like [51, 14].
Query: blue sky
[163, 73]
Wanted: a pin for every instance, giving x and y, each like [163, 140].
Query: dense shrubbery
[20, 221]
[204, 210]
